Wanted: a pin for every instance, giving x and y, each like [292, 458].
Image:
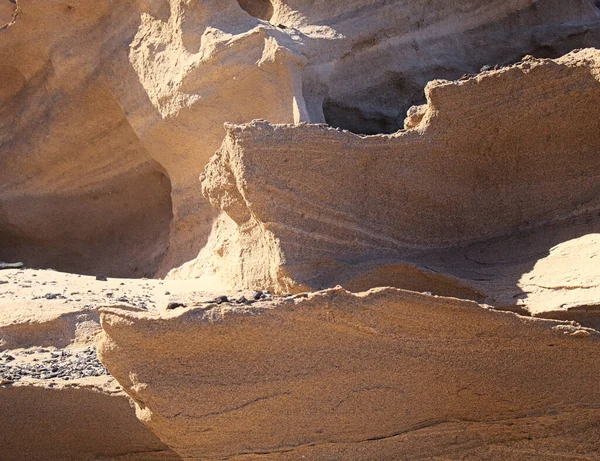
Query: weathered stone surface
[392, 49]
[102, 137]
[78, 190]
[76, 421]
[495, 156]
[385, 374]
[549, 272]
[110, 110]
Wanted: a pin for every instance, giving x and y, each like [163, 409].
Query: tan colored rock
[56, 400]
[391, 50]
[552, 273]
[386, 374]
[497, 155]
[84, 421]
[548, 272]
[119, 125]
[79, 190]
[203, 64]
[110, 109]
[8, 13]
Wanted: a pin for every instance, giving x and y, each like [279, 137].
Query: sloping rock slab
[68, 421]
[386, 374]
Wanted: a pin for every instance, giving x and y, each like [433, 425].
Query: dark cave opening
[395, 94]
[358, 121]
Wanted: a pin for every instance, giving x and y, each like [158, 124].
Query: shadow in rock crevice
[378, 104]
[261, 9]
[119, 230]
[8, 13]
[527, 273]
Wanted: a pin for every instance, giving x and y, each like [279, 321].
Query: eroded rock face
[74, 420]
[380, 375]
[78, 190]
[309, 206]
[391, 50]
[108, 112]
[102, 139]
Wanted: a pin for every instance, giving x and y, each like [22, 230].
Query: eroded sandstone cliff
[492, 158]
[478, 195]
[111, 109]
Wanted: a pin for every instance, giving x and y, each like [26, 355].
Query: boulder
[86, 420]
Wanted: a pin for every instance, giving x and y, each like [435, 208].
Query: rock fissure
[9, 12]
[242, 406]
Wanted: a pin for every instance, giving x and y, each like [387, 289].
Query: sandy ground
[49, 320]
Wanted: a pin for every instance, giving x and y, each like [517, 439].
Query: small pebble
[581, 334]
[52, 296]
[173, 306]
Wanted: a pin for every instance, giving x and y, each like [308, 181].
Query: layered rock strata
[110, 109]
[385, 374]
[491, 165]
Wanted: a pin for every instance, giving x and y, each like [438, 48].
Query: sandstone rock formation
[432, 212]
[57, 401]
[495, 157]
[110, 109]
[386, 374]
[78, 420]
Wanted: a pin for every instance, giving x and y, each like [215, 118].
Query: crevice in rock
[413, 278]
[586, 316]
[261, 9]
[359, 121]
[244, 405]
[8, 13]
